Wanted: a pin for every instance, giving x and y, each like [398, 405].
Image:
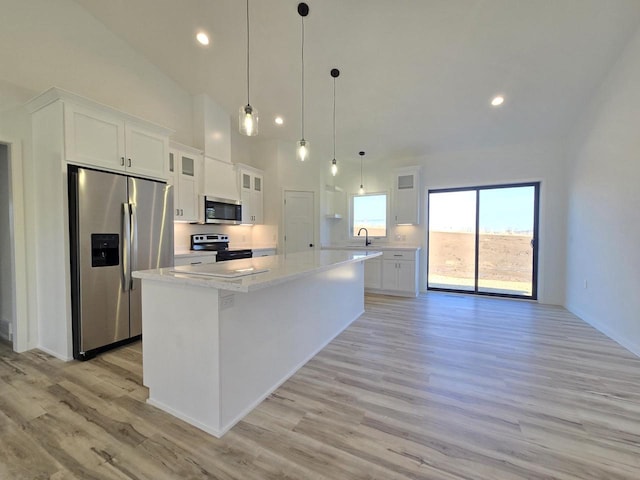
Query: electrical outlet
[398, 237]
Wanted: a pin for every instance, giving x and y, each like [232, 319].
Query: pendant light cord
[334, 118]
[361, 171]
[302, 77]
[248, 102]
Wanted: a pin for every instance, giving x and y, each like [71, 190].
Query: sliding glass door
[482, 240]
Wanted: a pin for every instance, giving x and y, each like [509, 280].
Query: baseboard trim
[606, 330]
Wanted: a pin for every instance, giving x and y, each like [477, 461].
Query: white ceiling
[417, 75]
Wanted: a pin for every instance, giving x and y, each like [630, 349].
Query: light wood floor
[440, 387]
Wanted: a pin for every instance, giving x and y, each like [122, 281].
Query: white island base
[210, 355]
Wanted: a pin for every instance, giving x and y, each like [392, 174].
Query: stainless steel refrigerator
[118, 224]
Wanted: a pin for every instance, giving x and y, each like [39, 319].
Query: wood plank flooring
[439, 387]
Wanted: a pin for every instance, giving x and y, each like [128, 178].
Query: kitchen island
[219, 338]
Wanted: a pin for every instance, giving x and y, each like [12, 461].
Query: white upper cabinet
[407, 196]
[94, 138]
[220, 179]
[144, 149]
[98, 136]
[251, 194]
[185, 173]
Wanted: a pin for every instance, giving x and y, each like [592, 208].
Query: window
[369, 211]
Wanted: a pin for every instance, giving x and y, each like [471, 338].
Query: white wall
[45, 44]
[6, 280]
[603, 203]
[542, 162]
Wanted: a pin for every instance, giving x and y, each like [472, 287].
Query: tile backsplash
[240, 236]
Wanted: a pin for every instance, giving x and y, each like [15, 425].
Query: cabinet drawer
[194, 260]
[398, 255]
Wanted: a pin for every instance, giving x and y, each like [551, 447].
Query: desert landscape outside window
[370, 212]
[483, 240]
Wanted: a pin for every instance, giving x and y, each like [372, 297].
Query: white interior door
[299, 223]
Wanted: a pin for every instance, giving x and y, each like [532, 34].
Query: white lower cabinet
[395, 274]
[398, 275]
[194, 260]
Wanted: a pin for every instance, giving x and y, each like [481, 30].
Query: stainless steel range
[216, 242]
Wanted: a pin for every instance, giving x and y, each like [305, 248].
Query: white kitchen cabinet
[407, 196]
[373, 274]
[220, 179]
[399, 271]
[251, 194]
[97, 137]
[194, 260]
[184, 171]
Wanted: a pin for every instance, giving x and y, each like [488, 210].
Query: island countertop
[270, 271]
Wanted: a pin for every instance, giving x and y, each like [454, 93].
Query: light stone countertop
[280, 269]
[376, 247]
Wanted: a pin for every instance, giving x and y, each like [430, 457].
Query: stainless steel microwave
[219, 210]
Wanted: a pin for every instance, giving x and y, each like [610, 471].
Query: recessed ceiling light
[203, 38]
[279, 120]
[497, 100]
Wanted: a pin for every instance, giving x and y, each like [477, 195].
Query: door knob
[311, 244]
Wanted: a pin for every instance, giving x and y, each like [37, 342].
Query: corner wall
[603, 258]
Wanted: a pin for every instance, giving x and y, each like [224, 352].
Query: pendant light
[248, 117]
[303, 146]
[335, 73]
[361, 191]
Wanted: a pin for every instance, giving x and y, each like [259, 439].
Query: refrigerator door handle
[126, 246]
[134, 242]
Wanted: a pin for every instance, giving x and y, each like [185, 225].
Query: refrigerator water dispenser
[105, 249]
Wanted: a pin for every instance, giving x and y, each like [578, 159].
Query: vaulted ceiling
[417, 75]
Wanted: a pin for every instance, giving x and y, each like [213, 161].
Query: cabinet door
[187, 188]
[406, 276]
[373, 273]
[94, 138]
[390, 275]
[146, 152]
[406, 199]
[258, 210]
[246, 197]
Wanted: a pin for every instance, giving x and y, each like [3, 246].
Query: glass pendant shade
[248, 121]
[361, 191]
[334, 167]
[302, 151]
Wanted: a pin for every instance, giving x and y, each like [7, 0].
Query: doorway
[483, 240]
[13, 258]
[299, 221]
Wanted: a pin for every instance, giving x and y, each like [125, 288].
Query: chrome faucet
[367, 242]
